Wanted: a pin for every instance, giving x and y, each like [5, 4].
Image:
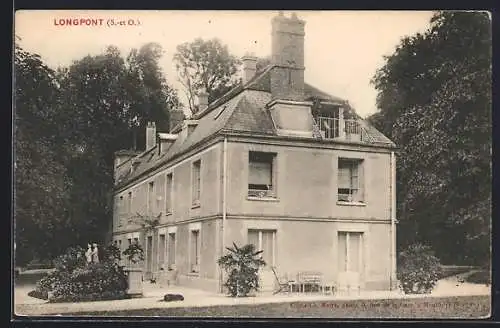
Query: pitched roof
[242, 109]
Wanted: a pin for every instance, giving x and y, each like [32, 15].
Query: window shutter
[361, 179]
[260, 173]
[344, 177]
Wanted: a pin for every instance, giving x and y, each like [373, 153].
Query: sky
[343, 49]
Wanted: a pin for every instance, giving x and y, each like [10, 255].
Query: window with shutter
[196, 183]
[261, 177]
[350, 187]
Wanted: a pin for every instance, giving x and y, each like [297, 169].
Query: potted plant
[242, 265]
[135, 255]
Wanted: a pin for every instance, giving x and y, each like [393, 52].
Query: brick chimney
[291, 114]
[150, 135]
[249, 67]
[202, 100]
[287, 79]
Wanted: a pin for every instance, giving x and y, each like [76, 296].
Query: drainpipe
[393, 221]
[224, 207]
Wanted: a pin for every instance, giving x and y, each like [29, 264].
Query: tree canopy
[68, 124]
[434, 100]
[205, 65]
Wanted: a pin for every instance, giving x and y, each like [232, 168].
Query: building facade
[274, 162]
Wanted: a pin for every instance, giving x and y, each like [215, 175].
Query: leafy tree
[40, 178]
[205, 65]
[435, 102]
[69, 123]
[151, 96]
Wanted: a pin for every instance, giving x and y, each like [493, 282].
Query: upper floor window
[350, 186]
[261, 174]
[196, 183]
[129, 203]
[151, 196]
[121, 210]
[169, 187]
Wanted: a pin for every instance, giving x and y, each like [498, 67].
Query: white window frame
[171, 231]
[150, 196]
[259, 248]
[169, 193]
[263, 194]
[195, 199]
[194, 227]
[359, 163]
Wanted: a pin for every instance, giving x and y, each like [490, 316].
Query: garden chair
[284, 284]
[311, 278]
[329, 285]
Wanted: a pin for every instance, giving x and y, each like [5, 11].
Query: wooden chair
[284, 284]
[312, 278]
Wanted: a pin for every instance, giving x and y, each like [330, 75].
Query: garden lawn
[425, 307]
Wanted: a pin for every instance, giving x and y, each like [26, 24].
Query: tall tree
[69, 123]
[146, 83]
[40, 178]
[435, 102]
[205, 66]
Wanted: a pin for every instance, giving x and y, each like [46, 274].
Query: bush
[418, 269]
[76, 280]
[243, 265]
[72, 259]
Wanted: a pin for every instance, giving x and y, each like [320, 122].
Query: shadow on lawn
[446, 307]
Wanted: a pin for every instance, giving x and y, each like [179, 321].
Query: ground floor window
[171, 250]
[195, 243]
[162, 246]
[264, 240]
[149, 253]
[350, 251]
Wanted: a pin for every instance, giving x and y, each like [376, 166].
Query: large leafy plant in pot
[242, 265]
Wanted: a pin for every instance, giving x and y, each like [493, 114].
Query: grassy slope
[450, 307]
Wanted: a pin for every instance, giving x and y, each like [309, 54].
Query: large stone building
[274, 162]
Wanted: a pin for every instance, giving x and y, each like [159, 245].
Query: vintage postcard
[264, 164]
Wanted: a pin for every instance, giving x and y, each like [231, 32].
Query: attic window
[220, 112]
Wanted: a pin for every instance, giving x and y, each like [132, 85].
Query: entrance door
[350, 259]
[265, 240]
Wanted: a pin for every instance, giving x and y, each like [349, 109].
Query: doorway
[350, 258]
[265, 241]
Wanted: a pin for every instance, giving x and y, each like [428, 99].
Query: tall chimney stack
[291, 114]
[287, 79]
[249, 67]
[150, 135]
